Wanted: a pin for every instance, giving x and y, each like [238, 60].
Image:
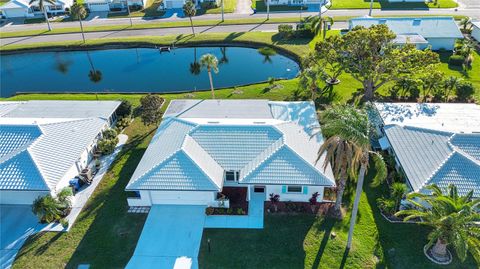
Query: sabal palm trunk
[439, 250]
[358, 194]
[46, 18]
[211, 83]
[337, 208]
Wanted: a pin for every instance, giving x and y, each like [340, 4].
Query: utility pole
[371, 8]
[268, 10]
[129, 16]
[223, 19]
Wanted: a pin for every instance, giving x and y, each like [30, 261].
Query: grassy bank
[385, 4]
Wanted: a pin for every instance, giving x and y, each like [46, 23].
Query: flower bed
[225, 211]
[289, 207]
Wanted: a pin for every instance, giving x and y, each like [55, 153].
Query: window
[294, 189]
[232, 176]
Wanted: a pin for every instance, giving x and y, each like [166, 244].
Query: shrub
[208, 4]
[209, 211]
[464, 90]
[109, 134]
[386, 205]
[240, 211]
[456, 60]
[123, 123]
[150, 109]
[285, 30]
[50, 209]
[135, 7]
[229, 211]
[124, 109]
[107, 146]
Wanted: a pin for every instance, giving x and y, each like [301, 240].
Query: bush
[124, 109]
[107, 146]
[456, 60]
[386, 205]
[123, 123]
[464, 90]
[208, 5]
[285, 30]
[240, 211]
[209, 211]
[150, 109]
[135, 7]
[109, 134]
[50, 209]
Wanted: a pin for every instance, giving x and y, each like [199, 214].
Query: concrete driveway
[170, 238]
[17, 223]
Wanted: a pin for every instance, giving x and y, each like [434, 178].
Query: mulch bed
[238, 202]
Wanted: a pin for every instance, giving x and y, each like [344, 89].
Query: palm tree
[46, 209]
[348, 148]
[449, 84]
[78, 12]
[466, 23]
[467, 51]
[41, 5]
[454, 220]
[189, 10]
[210, 62]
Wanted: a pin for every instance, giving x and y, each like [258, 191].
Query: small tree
[150, 109]
[328, 56]
[49, 209]
[109, 134]
[189, 10]
[274, 199]
[397, 192]
[464, 90]
[431, 80]
[78, 12]
[449, 85]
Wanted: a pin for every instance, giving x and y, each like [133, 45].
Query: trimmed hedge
[456, 60]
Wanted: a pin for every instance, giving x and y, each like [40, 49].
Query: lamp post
[128, 11]
[268, 10]
[223, 1]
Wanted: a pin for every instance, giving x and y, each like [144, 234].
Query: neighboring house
[296, 2]
[44, 144]
[476, 30]
[107, 5]
[433, 143]
[202, 146]
[23, 8]
[434, 32]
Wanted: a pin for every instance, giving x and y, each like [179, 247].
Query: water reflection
[138, 70]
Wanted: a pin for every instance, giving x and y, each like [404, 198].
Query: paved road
[474, 13]
[146, 32]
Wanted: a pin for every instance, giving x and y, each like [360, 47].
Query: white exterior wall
[143, 200]
[294, 197]
[20, 197]
[442, 43]
[476, 33]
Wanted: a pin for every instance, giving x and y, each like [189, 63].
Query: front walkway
[18, 222]
[254, 219]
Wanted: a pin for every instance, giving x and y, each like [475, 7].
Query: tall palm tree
[189, 10]
[224, 59]
[78, 12]
[454, 220]
[466, 23]
[349, 131]
[41, 5]
[210, 62]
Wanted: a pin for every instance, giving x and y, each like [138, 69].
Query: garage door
[174, 4]
[170, 238]
[182, 197]
[99, 7]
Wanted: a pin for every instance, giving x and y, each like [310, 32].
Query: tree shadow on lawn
[444, 58]
[401, 243]
[111, 237]
[277, 39]
[280, 244]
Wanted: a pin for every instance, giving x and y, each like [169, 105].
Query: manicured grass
[260, 6]
[149, 11]
[384, 4]
[3, 2]
[158, 25]
[230, 6]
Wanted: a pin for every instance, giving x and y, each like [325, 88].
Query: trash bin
[76, 184]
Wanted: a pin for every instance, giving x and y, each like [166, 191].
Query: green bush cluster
[285, 31]
[456, 60]
[109, 141]
[50, 209]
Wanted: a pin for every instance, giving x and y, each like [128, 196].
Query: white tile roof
[277, 149]
[37, 156]
[428, 141]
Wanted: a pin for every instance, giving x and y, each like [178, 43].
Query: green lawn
[260, 6]
[384, 4]
[3, 2]
[149, 11]
[105, 235]
[230, 6]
